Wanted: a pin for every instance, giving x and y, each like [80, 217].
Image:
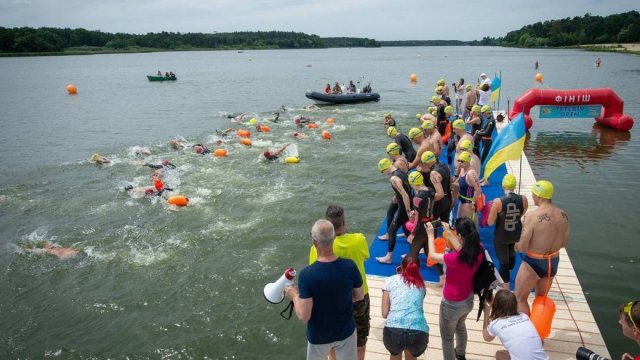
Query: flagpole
[498, 108]
[520, 177]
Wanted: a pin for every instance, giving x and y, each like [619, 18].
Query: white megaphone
[274, 292]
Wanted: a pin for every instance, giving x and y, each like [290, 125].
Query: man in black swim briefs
[545, 231]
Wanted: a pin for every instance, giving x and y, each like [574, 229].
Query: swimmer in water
[275, 154]
[165, 164]
[176, 144]
[49, 248]
[201, 149]
[99, 160]
[238, 118]
[138, 192]
[301, 121]
[298, 135]
[139, 151]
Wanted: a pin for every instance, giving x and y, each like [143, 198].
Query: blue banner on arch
[580, 111]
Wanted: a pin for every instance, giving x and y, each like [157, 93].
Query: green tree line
[31, 40]
[581, 30]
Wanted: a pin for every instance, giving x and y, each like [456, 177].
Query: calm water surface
[188, 284]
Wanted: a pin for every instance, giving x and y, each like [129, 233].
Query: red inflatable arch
[612, 104]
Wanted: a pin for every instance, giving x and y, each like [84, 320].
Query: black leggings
[396, 217]
[486, 146]
[507, 258]
[420, 242]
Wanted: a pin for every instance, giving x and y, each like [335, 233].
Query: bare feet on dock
[385, 259]
[384, 237]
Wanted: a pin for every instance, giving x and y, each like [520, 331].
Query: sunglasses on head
[627, 310]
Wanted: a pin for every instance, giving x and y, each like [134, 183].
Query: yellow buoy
[292, 159]
[72, 89]
[413, 77]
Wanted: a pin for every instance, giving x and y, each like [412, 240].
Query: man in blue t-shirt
[324, 297]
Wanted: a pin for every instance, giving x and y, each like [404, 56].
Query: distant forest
[54, 40]
[581, 30]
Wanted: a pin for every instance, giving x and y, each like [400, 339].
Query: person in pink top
[457, 295]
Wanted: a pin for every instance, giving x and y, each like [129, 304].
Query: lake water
[188, 284]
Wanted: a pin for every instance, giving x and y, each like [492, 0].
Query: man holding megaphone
[324, 298]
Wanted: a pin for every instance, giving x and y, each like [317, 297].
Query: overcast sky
[378, 19]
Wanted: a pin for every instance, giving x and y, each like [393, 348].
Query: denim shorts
[397, 340]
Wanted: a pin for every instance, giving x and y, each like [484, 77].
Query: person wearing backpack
[457, 295]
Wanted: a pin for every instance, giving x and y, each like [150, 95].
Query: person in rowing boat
[545, 231]
[336, 89]
[352, 87]
[327, 89]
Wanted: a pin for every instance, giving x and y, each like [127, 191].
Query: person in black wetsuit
[398, 212]
[437, 177]
[422, 214]
[506, 212]
[406, 148]
[484, 134]
[165, 164]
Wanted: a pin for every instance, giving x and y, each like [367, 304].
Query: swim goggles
[627, 310]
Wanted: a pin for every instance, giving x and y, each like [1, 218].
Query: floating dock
[573, 325]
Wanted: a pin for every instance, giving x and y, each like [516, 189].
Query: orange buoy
[178, 200]
[245, 141]
[440, 244]
[243, 133]
[542, 312]
[413, 77]
[312, 126]
[480, 202]
[326, 135]
[72, 89]
[329, 121]
[265, 128]
[539, 77]
[220, 152]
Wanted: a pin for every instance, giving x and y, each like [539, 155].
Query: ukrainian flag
[495, 88]
[507, 145]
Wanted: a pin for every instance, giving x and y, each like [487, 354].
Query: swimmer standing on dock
[545, 231]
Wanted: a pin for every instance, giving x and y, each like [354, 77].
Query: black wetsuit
[423, 205]
[485, 134]
[442, 207]
[507, 232]
[406, 148]
[441, 120]
[397, 213]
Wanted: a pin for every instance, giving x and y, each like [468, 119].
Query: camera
[436, 224]
[586, 354]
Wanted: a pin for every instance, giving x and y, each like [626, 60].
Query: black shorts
[361, 310]
[397, 340]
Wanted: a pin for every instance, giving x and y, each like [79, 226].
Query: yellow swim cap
[384, 164]
[387, 115]
[416, 179]
[418, 115]
[391, 131]
[414, 132]
[428, 157]
[465, 156]
[95, 157]
[430, 109]
[438, 90]
[466, 145]
[427, 124]
[509, 182]
[485, 108]
[434, 113]
[393, 149]
[468, 87]
[440, 82]
[543, 189]
[458, 124]
[475, 109]
[448, 109]
[436, 99]
[252, 121]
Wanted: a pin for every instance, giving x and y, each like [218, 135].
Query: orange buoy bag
[178, 200]
[542, 311]
[440, 244]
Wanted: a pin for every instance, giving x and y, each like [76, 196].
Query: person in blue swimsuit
[545, 231]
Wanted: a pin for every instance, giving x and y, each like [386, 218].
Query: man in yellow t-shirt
[351, 246]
